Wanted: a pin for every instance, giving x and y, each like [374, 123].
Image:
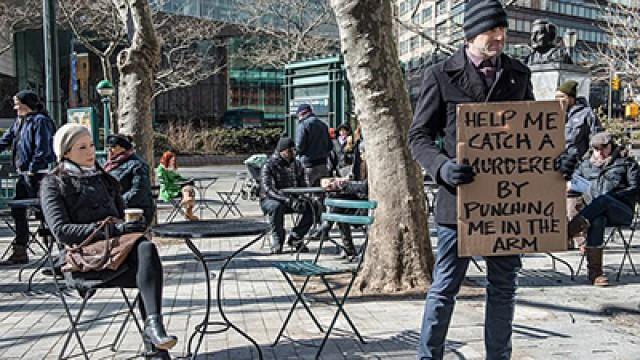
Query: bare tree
[193, 50]
[95, 24]
[16, 16]
[137, 65]
[621, 52]
[281, 31]
[399, 256]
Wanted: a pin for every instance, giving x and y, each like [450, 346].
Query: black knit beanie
[118, 139]
[30, 99]
[481, 16]
[285, 143]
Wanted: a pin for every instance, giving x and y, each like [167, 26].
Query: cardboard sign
[516, 204]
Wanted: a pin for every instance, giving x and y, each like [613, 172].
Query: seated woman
[75, 196]
[173, 185]
[615, 186]
[132, 173]
[355, 189]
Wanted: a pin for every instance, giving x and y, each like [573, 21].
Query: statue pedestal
[547, 77]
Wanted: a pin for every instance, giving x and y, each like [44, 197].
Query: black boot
[151, 353]
[18, 256]
[155, 334]
[349, 249]
[297, 244]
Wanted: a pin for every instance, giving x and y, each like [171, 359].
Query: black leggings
[145, 273]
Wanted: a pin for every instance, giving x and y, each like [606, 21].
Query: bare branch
[284, 31]
[621, 52]
[193, 50]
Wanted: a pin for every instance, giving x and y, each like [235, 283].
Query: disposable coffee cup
[133, 214]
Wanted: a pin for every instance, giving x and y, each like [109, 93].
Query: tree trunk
[399, 256]
[137, 65]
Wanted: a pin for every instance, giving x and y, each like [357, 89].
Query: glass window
[441, 8]
[403, 7]
[426, 13]
[414, 42]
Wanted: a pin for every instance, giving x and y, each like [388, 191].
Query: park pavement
[556, 317]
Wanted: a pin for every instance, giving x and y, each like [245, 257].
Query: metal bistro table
[202, 185]
[310, 195]
[216, 228]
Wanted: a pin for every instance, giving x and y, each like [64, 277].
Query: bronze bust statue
[545, 50]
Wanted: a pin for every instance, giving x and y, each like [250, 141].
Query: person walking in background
[75, 197]
[282, 171]
[30, 140]
[173, 185]
[132, 173]
[313, 144]
[477, 73]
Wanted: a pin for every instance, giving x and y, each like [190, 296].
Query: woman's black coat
[72, 207]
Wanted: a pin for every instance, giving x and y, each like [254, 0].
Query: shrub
[187, 139]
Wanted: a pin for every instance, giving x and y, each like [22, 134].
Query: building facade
[441, 23]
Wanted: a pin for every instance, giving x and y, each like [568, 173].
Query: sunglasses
[599, 147]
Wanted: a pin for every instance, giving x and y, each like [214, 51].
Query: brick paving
[556, 318]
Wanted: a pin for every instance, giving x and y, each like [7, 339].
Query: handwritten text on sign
[517, 202]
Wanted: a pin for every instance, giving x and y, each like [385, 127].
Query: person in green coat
[173, 185]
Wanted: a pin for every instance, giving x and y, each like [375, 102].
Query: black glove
[454, 174]
[566, 163]
[296, 205]
[129, 227]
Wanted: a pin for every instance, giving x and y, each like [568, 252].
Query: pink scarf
[114, 162]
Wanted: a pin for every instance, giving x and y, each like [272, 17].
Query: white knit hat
[66, 136]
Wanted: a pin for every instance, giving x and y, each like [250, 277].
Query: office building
[441, 21]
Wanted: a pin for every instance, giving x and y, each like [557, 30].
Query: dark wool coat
[73, 205]
[278, 173]
[445, 85]
[134, 179]
[620, 178]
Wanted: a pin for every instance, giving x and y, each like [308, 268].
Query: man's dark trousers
[276, 210]
[448, 274]
[26, 188]
[604, 211]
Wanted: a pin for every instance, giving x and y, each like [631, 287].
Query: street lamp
[570, 39]
[105, 90]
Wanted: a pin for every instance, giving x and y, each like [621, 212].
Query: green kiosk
[322, 83]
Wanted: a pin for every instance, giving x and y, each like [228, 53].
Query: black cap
[304, 108]
[118, 139]
[30, 99]
[285, 143]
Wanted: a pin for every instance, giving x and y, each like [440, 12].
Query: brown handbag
[107, 254]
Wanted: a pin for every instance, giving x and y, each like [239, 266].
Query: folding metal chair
[86, 292]
[230, 198]
[617, 231]
[309, 269]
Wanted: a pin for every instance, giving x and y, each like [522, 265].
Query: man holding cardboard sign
[475, 74]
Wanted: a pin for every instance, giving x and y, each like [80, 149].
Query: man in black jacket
[282, 171]
[479, 72]
[313, 144]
